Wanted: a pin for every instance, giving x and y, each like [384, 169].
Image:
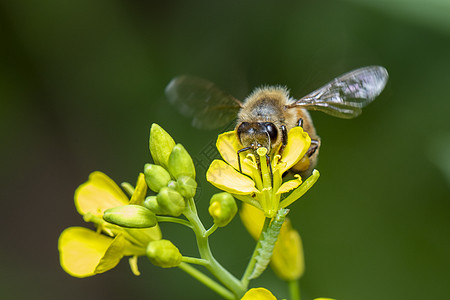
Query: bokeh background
[82, 81]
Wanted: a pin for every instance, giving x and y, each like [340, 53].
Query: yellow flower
[258, 294]
[287, 260]
[84, 252]
[259, 184]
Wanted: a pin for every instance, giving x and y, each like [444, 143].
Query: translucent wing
[207, 105]
[345, 96]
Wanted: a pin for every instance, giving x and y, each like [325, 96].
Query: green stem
[226, 294]
[294, 289]
[225, 277]
[211, 230]
[194, 260]
[251, 264]
[173, 220]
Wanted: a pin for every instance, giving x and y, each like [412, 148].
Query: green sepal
[222, 208]
[156, 177]
[161, 145]
[171, 202]
[164, 254]
[187, 186]
[152, 203]
[180, 163]
[131, 216]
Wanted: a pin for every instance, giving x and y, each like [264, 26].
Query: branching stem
[245, 279]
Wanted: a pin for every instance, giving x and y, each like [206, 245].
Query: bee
[265, 117]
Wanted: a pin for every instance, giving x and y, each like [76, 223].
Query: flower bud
[133, 216]
[156, 177]
[152, 204]
[172, 185]
[187, 186]
[223, 208]
[164, 254]
[171, 202]
[161, 145]
[180, 162]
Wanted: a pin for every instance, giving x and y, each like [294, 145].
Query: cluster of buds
[171, 178]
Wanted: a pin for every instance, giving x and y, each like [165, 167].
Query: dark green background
[82, 81]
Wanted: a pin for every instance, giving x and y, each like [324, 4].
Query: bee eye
[272, 131]
[245, 127]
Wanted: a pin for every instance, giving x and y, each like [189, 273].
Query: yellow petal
[228, 146]
[258, 294]
[297, 145]
[140, 191]
[252, 218]
[224, 177]
[289, 185]
[287, 260]
[112, 255]
[81, 249]
[98, 194]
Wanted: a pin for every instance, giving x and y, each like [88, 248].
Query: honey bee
[265, 117]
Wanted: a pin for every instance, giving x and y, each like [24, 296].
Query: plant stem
[207, 281]
[173, 220]
[195, 260]
[225, 277]
[251, 264]
[294, 289]
[211, 230]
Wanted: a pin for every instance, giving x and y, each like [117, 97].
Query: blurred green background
[82, 81]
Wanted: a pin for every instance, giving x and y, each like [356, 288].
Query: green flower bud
[171, 202]
[187, 186]
[161, 145]
[156, 177]
[172, 184]
[222, 208]
[164, 254]
[180, 162]
[152, 204]
[132, 216]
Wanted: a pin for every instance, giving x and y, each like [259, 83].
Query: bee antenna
[268, 138]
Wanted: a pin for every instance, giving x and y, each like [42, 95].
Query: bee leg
[300, 123]
[283, 138]
[313, 148]
[239, 157]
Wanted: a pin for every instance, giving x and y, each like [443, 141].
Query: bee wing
[207, 105]
[345, 96]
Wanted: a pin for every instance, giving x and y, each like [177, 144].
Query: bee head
[257, 134]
